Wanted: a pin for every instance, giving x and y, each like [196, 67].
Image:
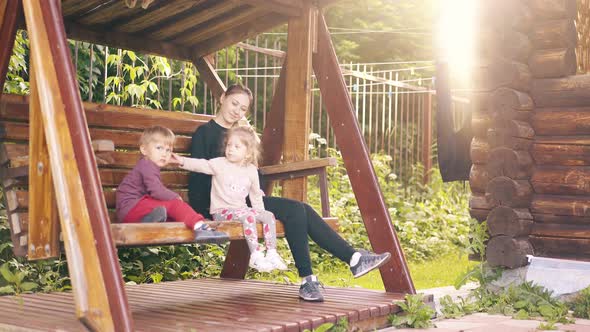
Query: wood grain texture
[561, 180]
[515, 164]
[395, 273]
[552, 34]
[220, 304]
[508, 251]
[505, 191]
[43, 229]
[504, 220]
[94, 268]
[553, 63]
[561, 121]
[238, 33]
[13, 107]
[10, 10]
[553, 9]
[298, 84]
[210, 76]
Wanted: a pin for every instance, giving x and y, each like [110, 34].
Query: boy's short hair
[150, 134]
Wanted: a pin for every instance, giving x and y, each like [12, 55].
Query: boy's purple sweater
[144, 179]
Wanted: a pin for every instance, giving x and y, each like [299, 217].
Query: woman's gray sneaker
[310, 290]
[368, 262]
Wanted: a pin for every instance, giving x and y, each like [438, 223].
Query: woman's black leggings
[301, 220]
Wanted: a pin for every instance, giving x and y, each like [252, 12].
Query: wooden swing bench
[123, 126]
[49, 167]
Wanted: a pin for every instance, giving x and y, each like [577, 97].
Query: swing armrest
[301, 169]
[296, 169]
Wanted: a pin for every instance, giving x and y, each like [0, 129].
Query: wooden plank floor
[209, 305]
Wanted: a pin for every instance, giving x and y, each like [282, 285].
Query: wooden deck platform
[209, 305]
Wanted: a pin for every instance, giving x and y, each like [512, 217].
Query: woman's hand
[176, 159]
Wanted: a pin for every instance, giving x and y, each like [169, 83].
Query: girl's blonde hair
[151, 134]
[250, 139]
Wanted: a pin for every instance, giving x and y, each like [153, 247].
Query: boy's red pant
[176, 209]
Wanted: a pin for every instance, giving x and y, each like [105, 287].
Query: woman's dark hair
[238, 88]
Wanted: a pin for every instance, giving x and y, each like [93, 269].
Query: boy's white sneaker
[272, 257]
[259, 262]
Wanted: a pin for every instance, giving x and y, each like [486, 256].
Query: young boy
[142, 197]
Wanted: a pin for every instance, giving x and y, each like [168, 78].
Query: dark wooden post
[395, 274]
[101, 302]
[427, 144]
[10, 11]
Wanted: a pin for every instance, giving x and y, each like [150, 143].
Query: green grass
[436, 273]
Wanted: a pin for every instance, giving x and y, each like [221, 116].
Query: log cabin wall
[561, 148]
[530, 177]
[500, 151]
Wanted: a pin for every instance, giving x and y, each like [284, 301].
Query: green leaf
[546, 310]
[7, 274]
[156, 277]
[28, 286]
[521, 304]
[324, 327]
[7, 290]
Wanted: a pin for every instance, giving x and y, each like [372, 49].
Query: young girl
[235, 177]
[142, 197]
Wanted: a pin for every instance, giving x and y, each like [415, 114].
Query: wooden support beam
[395, 274]
[101, 303]
[207, 11]
[237, 34]
[10, 11]
[217, 25]
[283, 7]
[427, 143]
[210, 76]
[298, 84]
[43, 232]
[128, 41]
[151, 18]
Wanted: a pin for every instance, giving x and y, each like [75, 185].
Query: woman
[299, 219]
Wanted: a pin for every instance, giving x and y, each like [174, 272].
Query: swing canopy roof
[177, 29]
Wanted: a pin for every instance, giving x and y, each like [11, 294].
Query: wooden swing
[51, 171]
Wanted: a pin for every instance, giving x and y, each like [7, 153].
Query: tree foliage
[411, 22]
